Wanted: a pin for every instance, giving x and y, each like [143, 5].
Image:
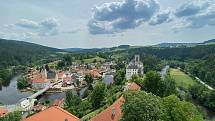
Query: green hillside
[22, 53]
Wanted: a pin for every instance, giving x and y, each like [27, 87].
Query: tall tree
[97, 96]
[152, 82]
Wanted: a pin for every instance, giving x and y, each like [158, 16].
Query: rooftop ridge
[65, 112]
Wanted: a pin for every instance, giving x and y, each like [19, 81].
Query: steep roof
[132, 66]
[133, 86]
[53, 113]
[112, 113]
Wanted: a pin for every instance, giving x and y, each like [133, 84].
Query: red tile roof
[60, 75]
[53, 113]
[133, 86]
[112, 113]
[66, 79]
[3, 111]
[39, 80]
[95, 73]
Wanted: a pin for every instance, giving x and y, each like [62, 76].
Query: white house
[135, 67]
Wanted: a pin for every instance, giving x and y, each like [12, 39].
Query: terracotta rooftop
[39, 80]
[3, 112]
[133, 86]
[66, 79]
[60, 75]
[112, 113]
[95, 73]
[53, 113]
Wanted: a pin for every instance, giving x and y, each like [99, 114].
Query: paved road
[200, 81]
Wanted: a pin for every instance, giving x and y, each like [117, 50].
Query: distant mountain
[21, 53]
[73, 49]
[83, 49]
[212, 41]
[173, 45]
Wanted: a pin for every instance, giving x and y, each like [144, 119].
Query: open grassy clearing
[181, 79]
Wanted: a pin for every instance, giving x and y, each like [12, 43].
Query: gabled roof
[53, 113]
[112, 113]
[133, 86]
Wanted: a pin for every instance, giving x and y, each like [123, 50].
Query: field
[182, 79]
[90, 60]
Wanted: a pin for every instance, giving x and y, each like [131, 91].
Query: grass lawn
[90, 60]
[182, 79]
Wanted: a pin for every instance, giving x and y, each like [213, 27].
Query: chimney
[113, 112]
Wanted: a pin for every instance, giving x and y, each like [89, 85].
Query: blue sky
[106, 23]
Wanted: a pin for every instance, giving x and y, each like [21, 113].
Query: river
[11, 95]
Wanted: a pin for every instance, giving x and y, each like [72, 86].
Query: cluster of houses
[42, 77]
[57, 113]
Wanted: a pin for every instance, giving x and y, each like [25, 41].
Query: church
[135, 67]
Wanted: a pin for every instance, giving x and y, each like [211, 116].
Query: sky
[106, 23]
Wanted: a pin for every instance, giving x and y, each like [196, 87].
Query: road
[203, 83]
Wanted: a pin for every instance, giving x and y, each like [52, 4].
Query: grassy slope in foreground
[181, 79]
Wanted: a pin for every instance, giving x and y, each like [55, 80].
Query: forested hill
[21, 53]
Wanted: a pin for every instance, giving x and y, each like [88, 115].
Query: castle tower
[137, 59]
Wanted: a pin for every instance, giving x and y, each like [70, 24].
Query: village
[50, 80]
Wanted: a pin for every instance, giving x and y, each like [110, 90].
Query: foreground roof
[3, 111]
[53, 113]
[112, 113]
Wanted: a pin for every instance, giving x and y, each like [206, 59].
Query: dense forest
[22, 53]
[17, 54]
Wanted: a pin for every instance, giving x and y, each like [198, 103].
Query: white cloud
[25, 23]
[17, 36]
[161, 17]
[47, 27]
[119, 16]
[190, 8]
[204, 16]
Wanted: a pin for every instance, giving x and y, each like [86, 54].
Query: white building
[135, 67]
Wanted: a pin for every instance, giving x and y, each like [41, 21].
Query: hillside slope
[21, 53]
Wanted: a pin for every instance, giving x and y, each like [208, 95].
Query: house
[40, 83]
[95, 74]
[25, 104]
[132, 86]
[67, 81]
[61, 75]
[135, 67]
[112, 113]
[53, 113]
[108, 78]
[3, 112]
[52, 75]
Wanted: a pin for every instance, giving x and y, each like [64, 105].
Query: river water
[11, 95]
